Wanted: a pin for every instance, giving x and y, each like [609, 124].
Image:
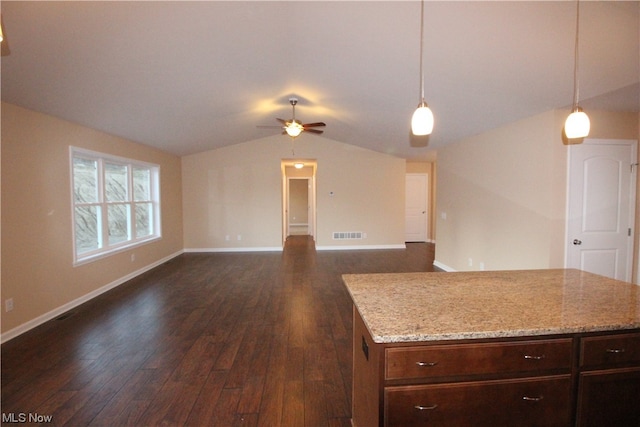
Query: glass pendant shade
[293, 129]
[422, 120]
[577, 124]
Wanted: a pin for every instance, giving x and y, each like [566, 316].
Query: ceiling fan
[294, 127]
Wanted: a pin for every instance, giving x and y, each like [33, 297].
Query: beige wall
[237, 190]
[504, 193]
[37, 258]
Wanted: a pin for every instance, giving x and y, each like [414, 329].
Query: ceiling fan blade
[316, 131]
[313, 125]
[269, 126]
[284, 122]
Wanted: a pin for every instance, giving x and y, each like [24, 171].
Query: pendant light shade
[577, 124]
[422, 120]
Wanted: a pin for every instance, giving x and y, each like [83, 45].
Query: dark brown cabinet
[575, 379]
[609, 382]
[540, 401]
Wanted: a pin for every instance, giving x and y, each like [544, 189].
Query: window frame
[105, 248]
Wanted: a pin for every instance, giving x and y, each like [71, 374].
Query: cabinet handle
[425, 408]
[615, 350]
[427, 364]
[530, 357]
[533, 399]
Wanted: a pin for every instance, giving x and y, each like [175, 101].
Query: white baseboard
[359, 247]
[443, 267]
[12, 333]
[247, 249]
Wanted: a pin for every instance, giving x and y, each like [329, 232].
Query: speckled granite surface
[407, 307]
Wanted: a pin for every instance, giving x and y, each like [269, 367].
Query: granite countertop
[408, 307]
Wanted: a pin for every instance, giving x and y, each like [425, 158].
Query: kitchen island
[533, 347]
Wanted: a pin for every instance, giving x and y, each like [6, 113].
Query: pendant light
[577, 124]
[422, 119]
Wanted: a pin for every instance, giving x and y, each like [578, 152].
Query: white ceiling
[191, 76]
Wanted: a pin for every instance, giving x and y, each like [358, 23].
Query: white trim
[359, 247]
[243, 249]
[443, 267]
[12, 333]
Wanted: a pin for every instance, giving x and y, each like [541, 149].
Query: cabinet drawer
[478, 359]
[543, 401]
[609, 351]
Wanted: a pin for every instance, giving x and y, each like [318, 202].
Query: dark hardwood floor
[233, 339]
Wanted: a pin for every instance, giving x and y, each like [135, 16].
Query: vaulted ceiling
[192, 76]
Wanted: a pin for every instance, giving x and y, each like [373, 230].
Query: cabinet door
[543, 401]
[609, 398]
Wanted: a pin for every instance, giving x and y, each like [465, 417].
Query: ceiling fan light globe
[577, 124]
[422, 120]
[293, 129]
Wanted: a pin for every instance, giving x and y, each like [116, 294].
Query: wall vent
[347, 235]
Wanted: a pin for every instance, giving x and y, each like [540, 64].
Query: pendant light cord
[576, 76]
[421, 52]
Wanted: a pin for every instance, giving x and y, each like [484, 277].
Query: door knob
[577, 242]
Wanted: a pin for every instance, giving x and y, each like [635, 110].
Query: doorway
[298, 209]
[601, 207]
[299, 198]
[416, 197]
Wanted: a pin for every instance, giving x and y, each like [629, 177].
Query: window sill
[101, 255]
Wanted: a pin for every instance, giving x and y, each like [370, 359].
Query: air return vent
[347, 235]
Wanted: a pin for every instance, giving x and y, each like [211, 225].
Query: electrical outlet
[133, 257]
[481, 266]
[470, 262]
[8, 304]
[227, 238]
[239, 237]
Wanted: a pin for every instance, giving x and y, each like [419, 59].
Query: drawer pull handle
[529, 357]
[427, 364]
[533, 399]
[425, 408]
[615, 350]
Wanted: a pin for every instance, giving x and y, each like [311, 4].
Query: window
[116, 203]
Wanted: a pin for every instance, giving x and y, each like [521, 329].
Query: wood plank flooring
[227, 339]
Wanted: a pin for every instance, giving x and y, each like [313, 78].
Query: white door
[416, 208]
[601, 204]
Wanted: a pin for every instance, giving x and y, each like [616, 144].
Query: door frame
[631, 256]
[309, 203]
[311, 177]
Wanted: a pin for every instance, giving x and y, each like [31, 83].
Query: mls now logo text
[21, 417]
